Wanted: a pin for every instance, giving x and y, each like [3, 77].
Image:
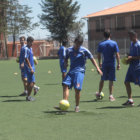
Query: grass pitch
[102, 120]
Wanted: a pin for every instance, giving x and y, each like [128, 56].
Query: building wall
[119, 33]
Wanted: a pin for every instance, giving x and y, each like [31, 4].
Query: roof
[131, 6]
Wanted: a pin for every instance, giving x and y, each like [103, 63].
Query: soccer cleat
[77, 109]
[128, 103]
[57, 108]
[36, 89]
[111, 98]
[29, 98]
[23, 94]
[98, 96]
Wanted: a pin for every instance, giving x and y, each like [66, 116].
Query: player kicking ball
[30, 69]
[133, 73]
[109, 51]
[74, 78]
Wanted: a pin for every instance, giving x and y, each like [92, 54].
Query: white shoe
[36, 89]
[77, 109]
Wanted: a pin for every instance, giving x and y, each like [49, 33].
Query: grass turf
[102, 120]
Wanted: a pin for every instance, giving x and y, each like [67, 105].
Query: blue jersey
[62, 53]
[78, 58]
[29, 55]
[108, 49]
[135, 51]
[22, 54]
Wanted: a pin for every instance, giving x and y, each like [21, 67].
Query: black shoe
[128, 103]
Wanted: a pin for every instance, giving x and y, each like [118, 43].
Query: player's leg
[129, 78]
[63, 75]
[77, 99]
[101, 85]
[111, 98]
[65, 92]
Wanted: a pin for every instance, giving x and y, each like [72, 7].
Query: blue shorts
[133, 76]
[30, 77]
[23, 73]
[108, 73]
[74, 79]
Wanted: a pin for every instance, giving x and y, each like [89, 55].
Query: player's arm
[96, 65]
[134, 57]
[118, 60]
[99, 60]
[29, 65]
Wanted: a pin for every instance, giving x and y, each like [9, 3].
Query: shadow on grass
[127, 97]
[52, 84]
[112, 107]
[15, 101]
[8, 96]
[95, 100]
[62, 112]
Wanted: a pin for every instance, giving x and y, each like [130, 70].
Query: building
[119, 19]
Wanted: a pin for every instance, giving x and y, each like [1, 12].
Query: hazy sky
[87, 7]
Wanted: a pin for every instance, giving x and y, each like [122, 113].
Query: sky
[87, 7]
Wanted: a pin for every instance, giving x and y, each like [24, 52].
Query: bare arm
[99, 60]
[118, 60]
[96, 65]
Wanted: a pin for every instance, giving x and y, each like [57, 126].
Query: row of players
[108, 50]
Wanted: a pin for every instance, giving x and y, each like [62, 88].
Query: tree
[58, 17]
[18, 20]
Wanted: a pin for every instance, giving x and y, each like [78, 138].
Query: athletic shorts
[133, 76]
[30, 77]
[74, 80]
[108, 73]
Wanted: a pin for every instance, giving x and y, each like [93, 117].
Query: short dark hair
[132, 32]
[22, 37]
[79, 39]
[107, 33]
[30, 39]
[64, 42]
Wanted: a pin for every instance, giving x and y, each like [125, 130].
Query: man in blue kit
[62, 55]
[21, 64]
[133, 73]
[29, 68]
[109, 51]
[75, 76]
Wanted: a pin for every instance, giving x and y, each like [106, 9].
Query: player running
[62, 55]
[78, 55]
[133, 73]
[109, 51]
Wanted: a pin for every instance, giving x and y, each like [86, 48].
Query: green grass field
[38, 120]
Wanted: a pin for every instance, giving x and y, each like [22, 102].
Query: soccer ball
[17, 59]
[124, 60]
[35, 60]
[64, 105]
[99, 96]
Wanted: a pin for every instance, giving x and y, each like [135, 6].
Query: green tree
[58, 17]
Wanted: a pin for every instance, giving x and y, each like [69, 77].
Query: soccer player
[78, 55]
[62, 55]
[109, 51]
[21, 64]
[29, 68]
[133, 73]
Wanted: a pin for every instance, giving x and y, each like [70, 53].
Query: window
[135, 21]
[120, 23]
[100, 25]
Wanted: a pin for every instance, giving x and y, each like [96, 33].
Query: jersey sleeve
[64, 52]
[88, 54]
[26, 53]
